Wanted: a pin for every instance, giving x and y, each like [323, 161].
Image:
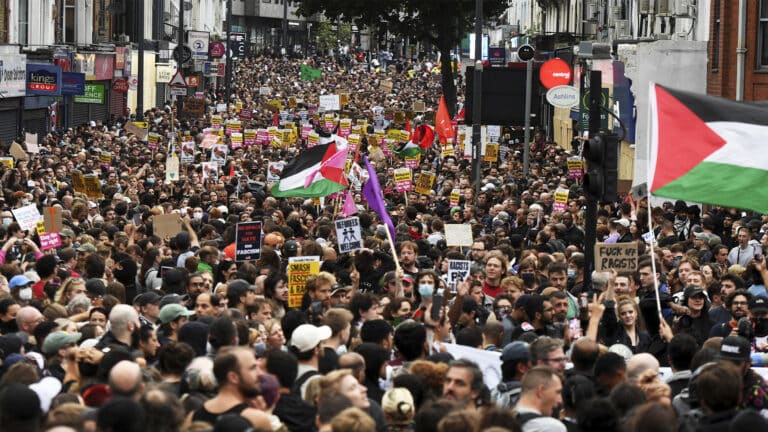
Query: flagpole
[649, 142]
[393, 250]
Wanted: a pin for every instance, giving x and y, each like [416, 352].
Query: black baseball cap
[734, 348]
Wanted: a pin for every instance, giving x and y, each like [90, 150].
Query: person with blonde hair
[399, 409]
[353, 420]
[344, 382]
[69, 289]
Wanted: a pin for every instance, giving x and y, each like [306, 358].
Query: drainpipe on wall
[741, 50]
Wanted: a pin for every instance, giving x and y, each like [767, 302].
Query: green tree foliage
[439, 22]
[329, 36]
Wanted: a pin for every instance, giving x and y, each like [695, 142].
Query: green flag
[309, 73]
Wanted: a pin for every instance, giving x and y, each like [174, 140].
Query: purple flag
[375, 197]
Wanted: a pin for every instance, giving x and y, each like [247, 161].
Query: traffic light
[602, 155]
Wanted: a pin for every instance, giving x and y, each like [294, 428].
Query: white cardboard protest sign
[330, 102]
[27, 217]
[458, 235]
[348, 234]
[621, 257]
[458, 271]
[488, 361]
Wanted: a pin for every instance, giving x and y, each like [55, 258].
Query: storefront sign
[104, 68]
[43, 79]
[72, 83]
[94, 94]
[13, 75]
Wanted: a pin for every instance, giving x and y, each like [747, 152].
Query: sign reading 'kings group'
[43, 79]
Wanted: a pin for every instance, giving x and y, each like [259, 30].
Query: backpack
[296, 388]
[524, 418]
[505, 396]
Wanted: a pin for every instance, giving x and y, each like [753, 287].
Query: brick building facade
[721, 74]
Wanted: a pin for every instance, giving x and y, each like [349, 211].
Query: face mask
[197, 215]
[527, 277]
[7, 221]
[260, 348]
[571, 273]
[151, 181]
[425, 290]
[25, 293]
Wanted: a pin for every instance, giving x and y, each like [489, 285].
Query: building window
[23, 22]
[762, 34]
[69, 21]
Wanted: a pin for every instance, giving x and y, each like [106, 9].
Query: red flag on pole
[443, 124]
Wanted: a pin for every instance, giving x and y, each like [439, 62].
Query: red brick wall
[722, 82]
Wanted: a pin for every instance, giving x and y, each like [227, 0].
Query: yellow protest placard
[344, 99]
[7, 161]
[93, 187]
[106, 158]
[404, 136]
[298, 273]
[40, 227]
[403, 181]
[424, 182]
[491, 152]
[276, 103]
[561, 200]
[292, 102]
[455, 196]
[313, 139]
[78, 181]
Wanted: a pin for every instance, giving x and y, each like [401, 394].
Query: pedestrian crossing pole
[590, 223]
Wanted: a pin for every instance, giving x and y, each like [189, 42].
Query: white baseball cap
[307, 336]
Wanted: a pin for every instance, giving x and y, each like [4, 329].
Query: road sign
[526, 52]
[182, 54]
[555, 72]
[178, 91]
[198, 42]
[178, 80]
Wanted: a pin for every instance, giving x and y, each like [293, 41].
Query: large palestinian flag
[708, 149]
[316, 172]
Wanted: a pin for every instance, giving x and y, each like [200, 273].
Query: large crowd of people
[122, 328]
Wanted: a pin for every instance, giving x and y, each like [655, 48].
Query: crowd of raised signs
[150, 280]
